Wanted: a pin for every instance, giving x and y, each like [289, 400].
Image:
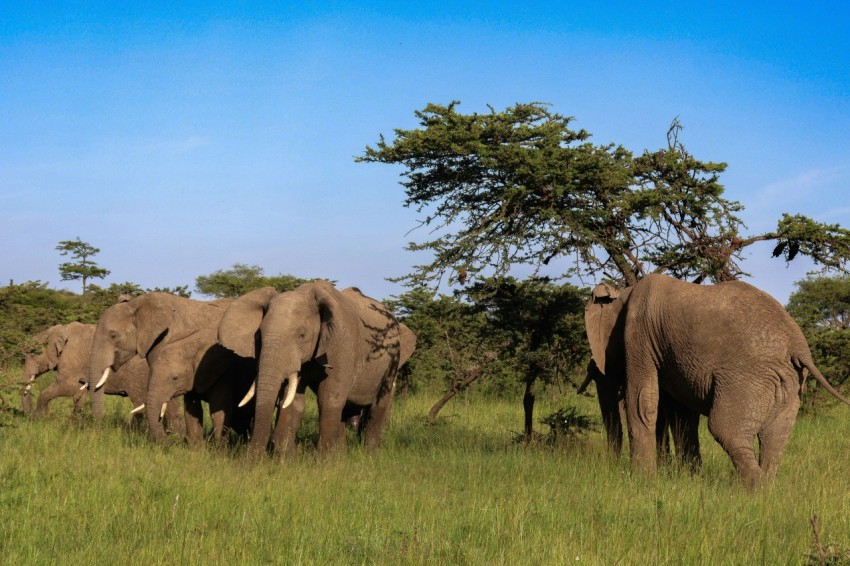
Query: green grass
[458, 492]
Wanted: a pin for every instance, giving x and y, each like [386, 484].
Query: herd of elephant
[665, 351]
[235, 355]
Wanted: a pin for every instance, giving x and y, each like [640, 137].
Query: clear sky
[184, 137]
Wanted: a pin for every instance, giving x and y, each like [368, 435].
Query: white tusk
[83, 386]
[138, 409]
[290, 390]
[32, 378]
[162, 410]
[249, 395]
[28, 387]
[103, 378]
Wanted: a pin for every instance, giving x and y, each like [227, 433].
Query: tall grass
[458, 492]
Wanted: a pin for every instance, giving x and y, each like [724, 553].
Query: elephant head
[66, 349]
[312, 324]
[126, 329]
[37, 364]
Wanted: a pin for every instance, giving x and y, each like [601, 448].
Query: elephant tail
[808, 364]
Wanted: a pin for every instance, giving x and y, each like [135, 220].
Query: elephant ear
[600, 317]
[237, 329]
[338, 322]
[153, 315]
[56, 341]
[407, 343]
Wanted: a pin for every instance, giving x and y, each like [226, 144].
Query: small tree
[241, 278]
[82, 268]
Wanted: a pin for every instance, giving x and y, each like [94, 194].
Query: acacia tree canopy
[520, 186]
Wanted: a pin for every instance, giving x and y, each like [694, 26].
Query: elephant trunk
[277, 362]
[100, 365]
[154, 408]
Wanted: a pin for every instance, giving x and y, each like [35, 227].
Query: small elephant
[177, 338]
[727, 351]
[342, 344]
[67, 348]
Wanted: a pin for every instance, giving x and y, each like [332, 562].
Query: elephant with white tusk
[67, 349]
[177, 338]
[342, 344]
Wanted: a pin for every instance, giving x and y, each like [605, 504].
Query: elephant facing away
[343, 345]
[674, 419]
[66, 349]
[727, 351]
[177, 338]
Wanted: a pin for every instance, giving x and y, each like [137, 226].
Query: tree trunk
[528, 407]
[472, 374]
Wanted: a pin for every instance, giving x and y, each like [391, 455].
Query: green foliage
[567, 424]
[521, 187]
[82, 268]
[507, 330]
[821, 306]
[242, 278]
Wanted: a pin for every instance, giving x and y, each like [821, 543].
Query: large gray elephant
[67, 349]
[727, 351]
[674, 419]
[342, 344]
[177, 338]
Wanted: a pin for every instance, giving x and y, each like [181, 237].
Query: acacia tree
[520, 186]
[82, 268]
[241, 278]
[501, 189]
[821, 306]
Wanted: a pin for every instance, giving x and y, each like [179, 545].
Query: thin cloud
[803, 184]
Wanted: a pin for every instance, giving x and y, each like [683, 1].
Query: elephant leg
[608, 396]
[774, 436]
[377, 417]
[56, 389]
[642, 416]
[288, 421]
[734, 423]
[221, 402]
[684, 428]
[193, 413]
[331, 427]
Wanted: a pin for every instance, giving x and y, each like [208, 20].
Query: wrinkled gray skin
[727, 351]
[177, 337]
[673, 418]
[67, 349]
[343, 345]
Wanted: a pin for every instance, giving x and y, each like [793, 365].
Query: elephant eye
[113, 334]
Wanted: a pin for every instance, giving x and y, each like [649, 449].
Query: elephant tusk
[249, 395]
[138, 409]
[28, 387]
[83, 386]
[162, 410]
[103, 378]
[290, 390]
[32, 378]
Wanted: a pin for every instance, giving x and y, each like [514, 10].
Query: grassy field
[458, 492]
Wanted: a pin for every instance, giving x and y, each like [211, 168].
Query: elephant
[673, 418]
[177, 338]
[727, 351]
[344, 345]
[67, 348]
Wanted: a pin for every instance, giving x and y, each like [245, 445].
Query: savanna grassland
[462, 491]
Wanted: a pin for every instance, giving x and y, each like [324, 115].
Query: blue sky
[181, 139]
